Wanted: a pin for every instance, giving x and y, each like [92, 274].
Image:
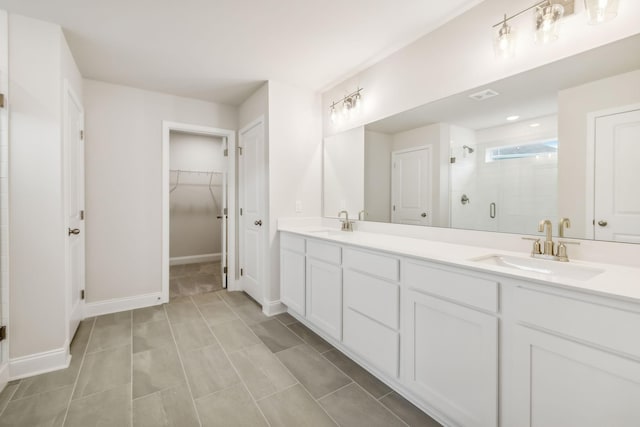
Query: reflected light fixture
[350, 103]
[547, 20]
[599, 11]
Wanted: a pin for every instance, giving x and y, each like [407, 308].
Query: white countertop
[616, 281]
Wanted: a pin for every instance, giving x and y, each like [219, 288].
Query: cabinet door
[324, 296]
[560, 382]
[292, 277]
[451, 359]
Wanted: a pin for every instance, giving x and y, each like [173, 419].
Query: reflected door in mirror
[617, 177]
[411, 186]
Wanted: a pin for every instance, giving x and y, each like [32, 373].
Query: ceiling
[222, 50]
[530, 95]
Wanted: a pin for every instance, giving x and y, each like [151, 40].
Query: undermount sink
[328, 233]
[552, 269]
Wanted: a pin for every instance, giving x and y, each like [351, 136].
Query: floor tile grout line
[385, 395]
[278, 391]
[75, 383]
[10, 397]
[396, 415]
[184, 371]
[335, 391]
[224, 351]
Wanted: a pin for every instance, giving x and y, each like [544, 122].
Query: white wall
[4, 188]
[459, 56]
[573, 107]
[124, 183]
[39, 61]
[295, 153]
[343, 166]
[194, 205]
[377, 176]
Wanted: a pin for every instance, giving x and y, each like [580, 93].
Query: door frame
[262, 173]
[590, 181]
[408, 150]
[167, 127]
[69, 95]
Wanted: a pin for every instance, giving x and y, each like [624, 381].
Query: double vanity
[473, 336]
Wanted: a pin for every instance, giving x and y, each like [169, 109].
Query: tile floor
[207, 360]
[193, 279]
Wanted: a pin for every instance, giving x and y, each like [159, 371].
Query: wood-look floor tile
[7, 394]
[352, 406]
[156, 370]
[409, 413]
[310, 337]
[275, 335]
[109, 408]
[183, 311]
[110, 331]
[103, 371]
[234, 335]
[357, 373]
[206, 298]
[236, 298]
[149, 314]
[208, 370]
[314, 371]
[294, 407]
[261, 371]
[217, 312]
[172, 407]
[251, 313]
[286, 319]
[232, 406]
[192, 335]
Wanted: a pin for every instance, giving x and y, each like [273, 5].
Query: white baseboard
[4, 375]
[271, 308]
[194, 259]
[39, 363]
[121, 304]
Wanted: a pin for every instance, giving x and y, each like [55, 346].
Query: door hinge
[1, 100]
[240, 211]
[82, 294]
[394, 208]
[82, 215]
[226, 152]
[224, 211]
[82, 135]
[452, 160]
[241, 272]
[224, 270]
[3, 333]
[240, 150]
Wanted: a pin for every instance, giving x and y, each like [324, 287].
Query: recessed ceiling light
[534, 125]
[512, 118]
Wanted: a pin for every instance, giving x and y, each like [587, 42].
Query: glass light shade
[333, 114]
[599, 11]
[357, 102]
[547, 21]
[347, 105]
[504, 42]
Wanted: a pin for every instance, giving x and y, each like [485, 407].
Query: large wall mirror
[559, 141]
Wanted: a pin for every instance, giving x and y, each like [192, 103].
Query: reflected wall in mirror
[562, 140]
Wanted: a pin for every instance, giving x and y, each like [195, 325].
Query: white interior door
[251, 200]
[617, 150]
[74, 173]
[411, 186]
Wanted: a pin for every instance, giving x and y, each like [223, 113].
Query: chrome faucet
[346, 224]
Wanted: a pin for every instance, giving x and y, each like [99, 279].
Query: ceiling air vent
[484, 94]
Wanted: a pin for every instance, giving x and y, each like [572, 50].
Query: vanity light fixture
[350, 103]
[547, 21]
[505, 42]
[599, 11]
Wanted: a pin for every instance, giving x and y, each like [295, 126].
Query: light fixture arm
[507, 19]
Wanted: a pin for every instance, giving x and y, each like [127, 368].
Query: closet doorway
[198, 182]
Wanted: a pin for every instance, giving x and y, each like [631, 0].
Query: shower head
[469, 149]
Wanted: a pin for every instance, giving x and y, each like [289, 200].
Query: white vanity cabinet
[576, 360]
[450, 350]
[293, 272]
[324, 287]
[372, 308]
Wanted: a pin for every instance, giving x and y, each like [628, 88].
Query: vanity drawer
[324, 251]
[375, 343]
[373, 297]
[292, 243]
[595, 321]
[462, 287]
[385, 267]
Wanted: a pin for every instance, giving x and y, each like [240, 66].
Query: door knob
[423, 214]
[258, 223]
[74, 231]
[602, 223]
